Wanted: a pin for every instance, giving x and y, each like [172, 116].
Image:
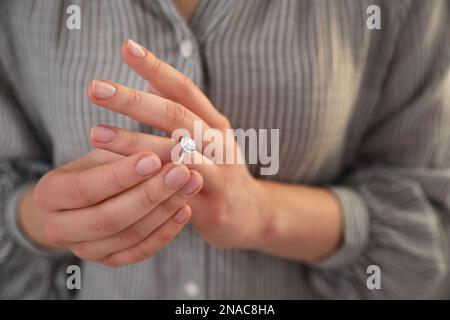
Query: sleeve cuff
[355, 219]
[13, 225]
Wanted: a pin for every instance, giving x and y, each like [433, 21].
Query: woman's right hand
[109, 208]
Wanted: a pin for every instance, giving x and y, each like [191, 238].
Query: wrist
[266, 223]
[299, 222]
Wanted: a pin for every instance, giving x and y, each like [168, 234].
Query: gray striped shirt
[365, 112]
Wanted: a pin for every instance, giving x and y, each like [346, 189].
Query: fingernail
[102, 89]
[135, 49]
[176, 177]
[102, 134]
[147, 165]
[191, 186]
[182, 215]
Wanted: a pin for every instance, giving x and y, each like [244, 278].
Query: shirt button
[186, 48]
[191, 289]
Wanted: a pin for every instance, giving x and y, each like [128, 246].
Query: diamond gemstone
[187, 144]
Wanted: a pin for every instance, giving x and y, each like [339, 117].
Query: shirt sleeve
[26, 271]
[396, 194]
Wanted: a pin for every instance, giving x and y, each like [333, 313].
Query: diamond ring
[187, 146]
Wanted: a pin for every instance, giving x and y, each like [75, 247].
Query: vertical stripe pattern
[364, 112]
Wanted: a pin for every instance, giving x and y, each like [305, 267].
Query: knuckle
[133, 142]
[173, 204]
[157, 65]
[42, 190]
[165, 235]
[130, 235]
[220, 216]
[134, 99]
[139, 254]
[104, 224]
[52, 233]
[115, 180]
[82, 251]
[175, 112]
[77, 192]
[148, 198]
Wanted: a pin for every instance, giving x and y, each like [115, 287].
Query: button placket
[191, 289]
[186, 48]
[187, 60]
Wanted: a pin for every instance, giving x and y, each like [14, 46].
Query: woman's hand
[227, 211]
[109, 208]
[233, 210]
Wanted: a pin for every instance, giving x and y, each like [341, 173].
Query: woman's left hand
[228, 212]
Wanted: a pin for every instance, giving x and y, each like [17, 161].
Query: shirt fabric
[363, 112]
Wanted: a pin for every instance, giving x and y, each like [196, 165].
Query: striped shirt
[364, 112]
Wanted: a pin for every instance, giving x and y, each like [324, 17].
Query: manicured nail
[102, 134]
[147, 165]
[135, 49]
[191, 186]
[102, 89]
[182, 215]
[176, 177]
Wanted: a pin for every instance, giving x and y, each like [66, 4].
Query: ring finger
[125, 142]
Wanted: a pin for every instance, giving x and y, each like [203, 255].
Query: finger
[144, 107]
[171, 83]
[127, 142]
[73, 189]
[153, 243]
[95, 250]
[119, 212]
[92, 159]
